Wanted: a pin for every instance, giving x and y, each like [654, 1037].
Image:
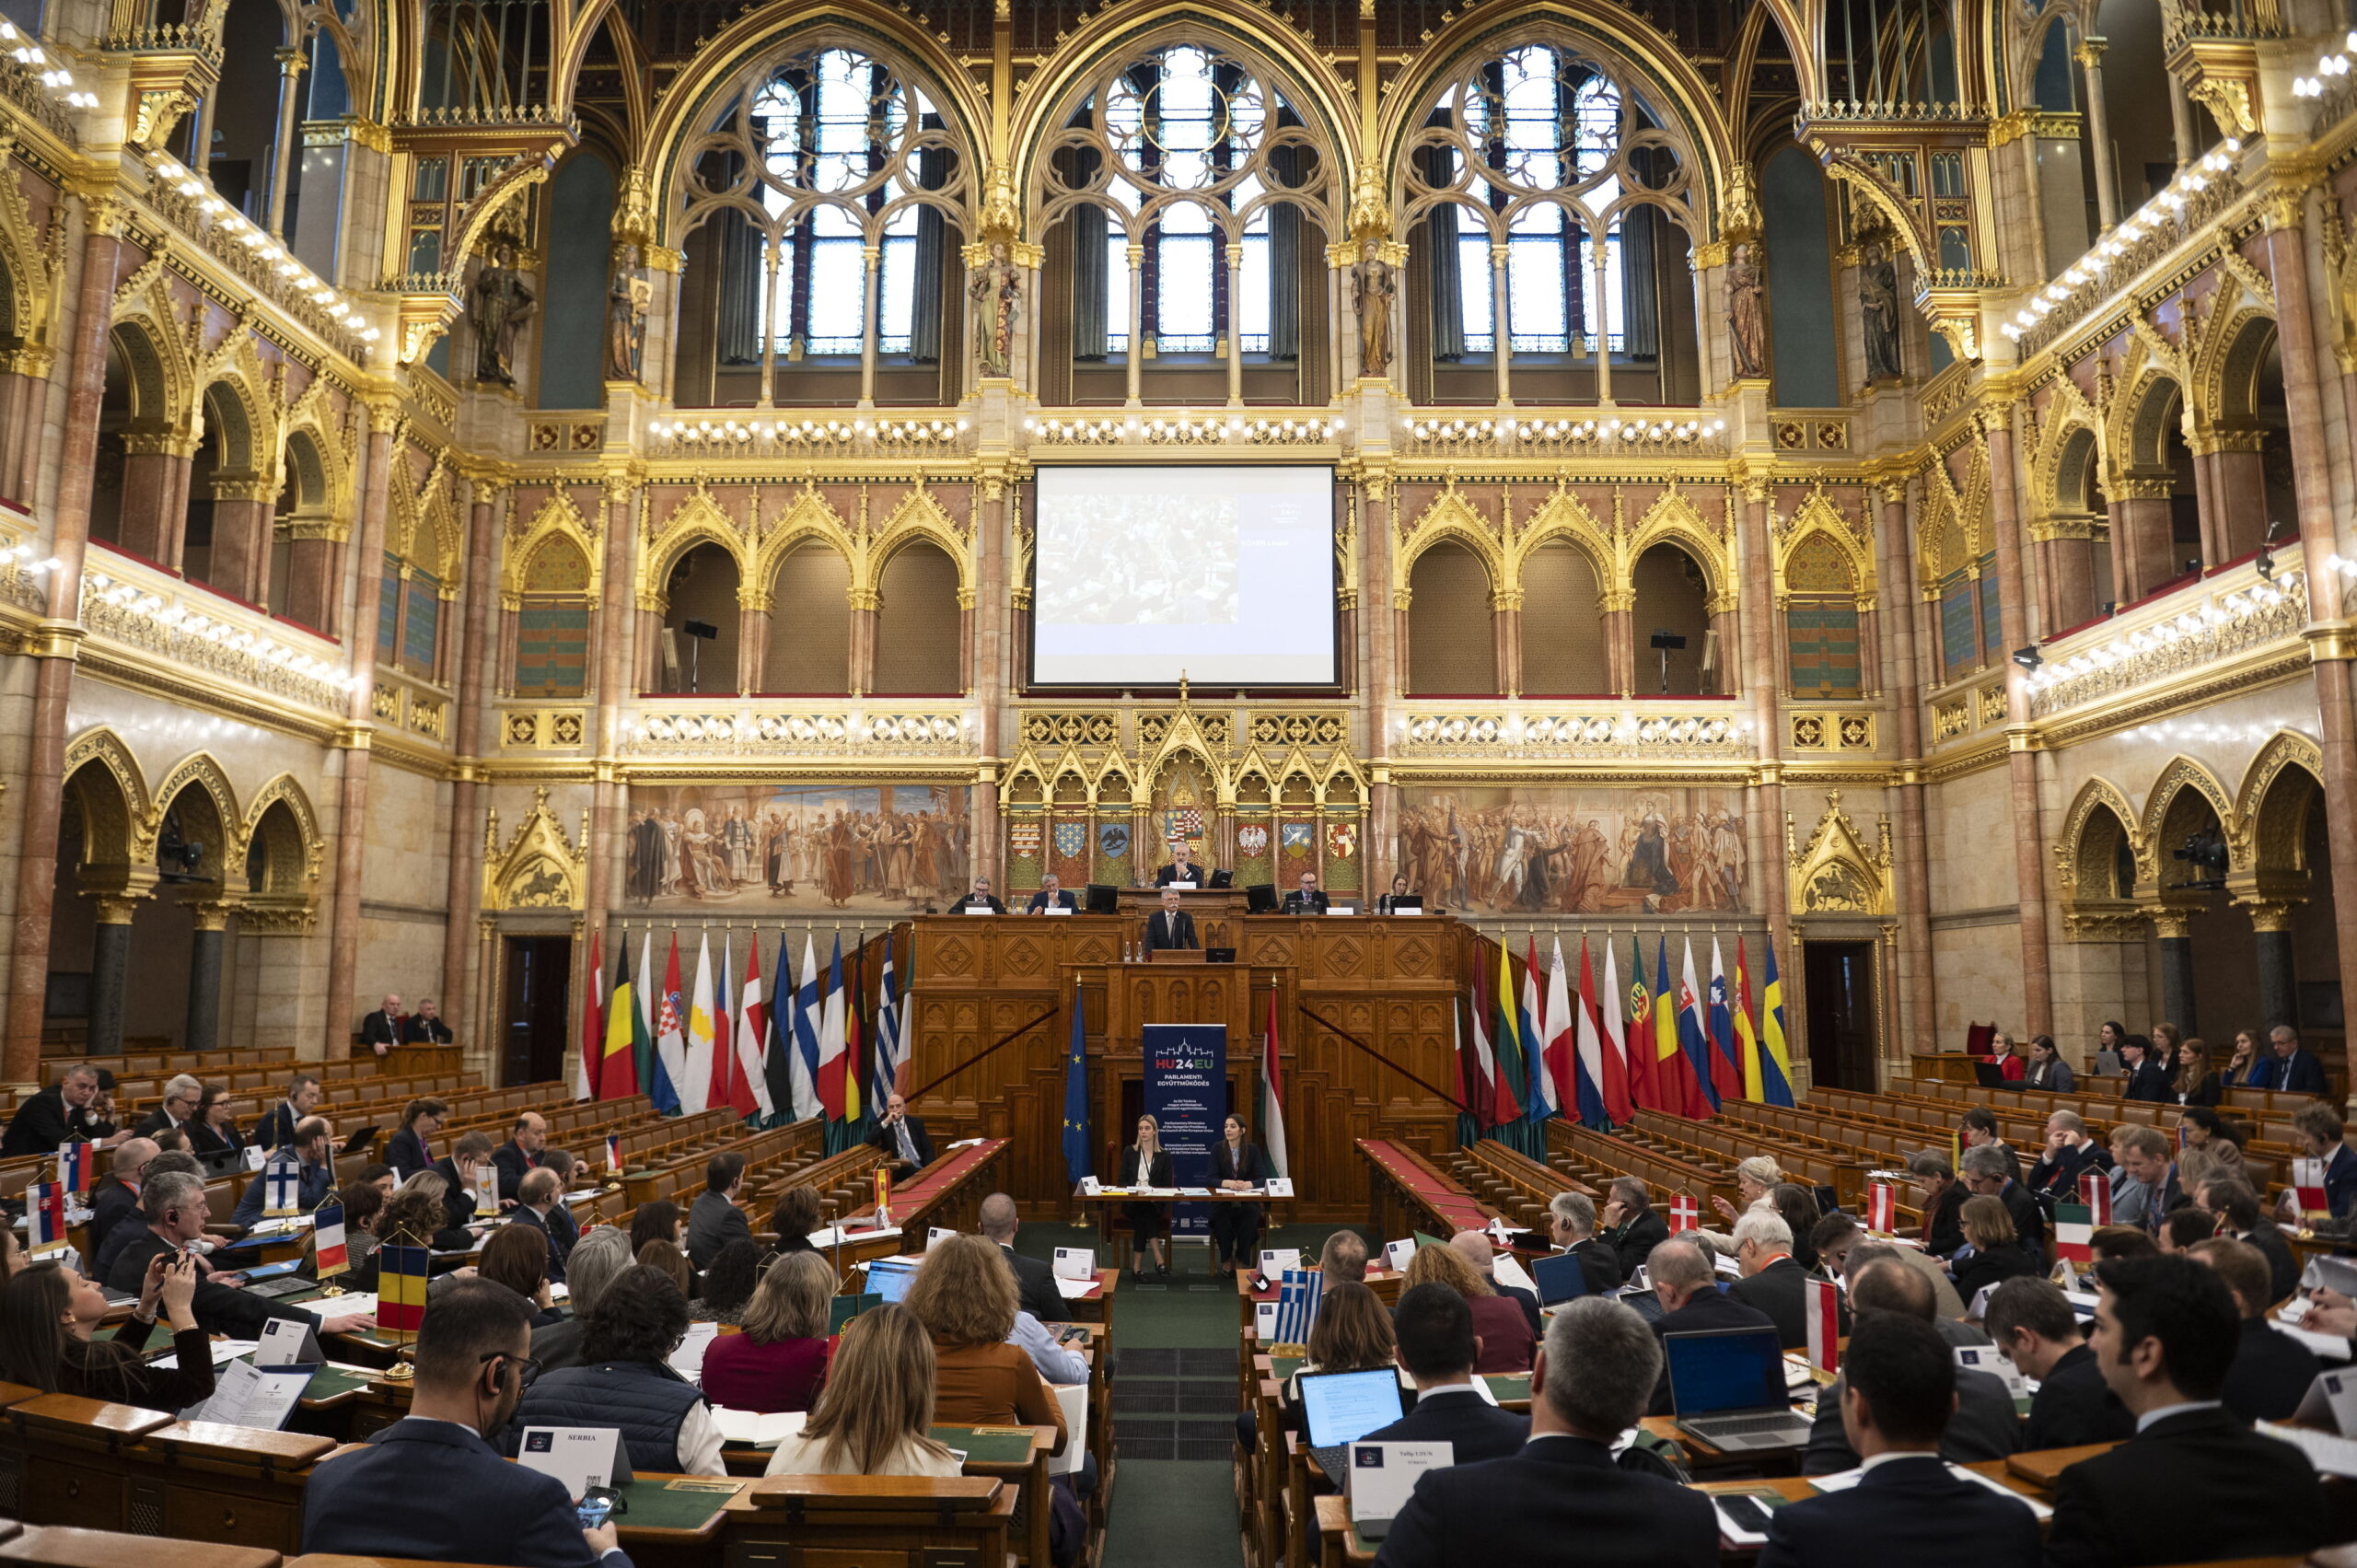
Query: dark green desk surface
[674, 1503]
[988, 1445]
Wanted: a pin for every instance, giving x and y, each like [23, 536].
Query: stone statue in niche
[1374, 287]
[997, 292]
[1878, 307]
[626, 302]
[1747, 315]
[501, 302]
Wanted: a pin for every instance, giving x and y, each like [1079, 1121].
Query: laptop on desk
[890, 1279]
[1989, 1074]
[1558, 1277]
[1340, 1407]
[1726, 1388]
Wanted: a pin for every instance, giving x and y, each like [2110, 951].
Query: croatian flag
[2074, 1232]
[1824, 1309]
[1681, 1213]
[45, 1215]
[2095, 1191]
[327, 1239]
[1882, 1209]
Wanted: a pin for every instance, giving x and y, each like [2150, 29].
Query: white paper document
[753, 1429]
[2333, 1456]
[1073, 1290]
[688, 1360]
[247, 1395]
[1073, 1399]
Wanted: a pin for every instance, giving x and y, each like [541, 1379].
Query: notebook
[1726, 1387]
[1340, 1407]
[1558, 1277]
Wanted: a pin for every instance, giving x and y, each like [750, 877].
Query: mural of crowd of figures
[881, 849]
[1574, 850]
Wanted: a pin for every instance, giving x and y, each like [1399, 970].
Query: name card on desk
[1090, 1187]
[247, 1395]
[980, 909]
[2331, 1400]
[1277, 1261]
[1280, 1187]
[1056, 909]
[1381, 1475]
[253, 1157]
[1989, 1359]
[581, 1457]
[287, 1342]
[1399, 1254]
[935, 1235]
[1077, 1264]
[1264, 1321]
[1182, 887]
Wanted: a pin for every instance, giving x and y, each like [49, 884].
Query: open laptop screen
[1559, 1278]
[1725, 1369]
[889, 1279]
[1342, 1407]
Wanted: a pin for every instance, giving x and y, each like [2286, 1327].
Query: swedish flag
[1775, 1059]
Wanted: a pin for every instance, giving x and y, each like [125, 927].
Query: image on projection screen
[1223, 576]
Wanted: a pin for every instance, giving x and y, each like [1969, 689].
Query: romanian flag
[1746, 1042]
[45, 1215]
[401, 1287]
[593, 1027]
[617, 1070]
[2074, 1232]
[74, 1166]
[328, 1255]
[1645, 1070]
[1775, 1060]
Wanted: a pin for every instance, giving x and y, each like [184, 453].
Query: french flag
[329, 1256]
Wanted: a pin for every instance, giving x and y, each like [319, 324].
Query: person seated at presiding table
[410, 1150]
[964, 1296]
[1052, 894]
[981, 898]
[600, 1258]
[381, 1030]
[1145, 1163]
[429, 1487]
[779, 1362]
[1307, 898]
[1897, 1391]
[1991, 1252]
[48, 1315]
[624, 1381]
[1238, 1164]
[2272, 1370]
[515, 1258]
[901, 1137]
[714, 1220]
[425, 1027]
[795, 1216]
[539, 1205]
[1388, 904]
[874, 1415]
[521, 1154]
[1984, 1425]
[1507, 1344]
[1438, 1348]
[1183, 869]
[1685, 1281]
[315, 1152]
[181, 1094]
[2195, 1483]
[72, 1107]
[2032, 1322]
[726, 1289]
[1589, 1386]
[176, 1211]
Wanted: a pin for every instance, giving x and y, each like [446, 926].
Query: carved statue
[498, 307]
[1747, 316]
[626, 302]
[997, 292]
[1374, 287]
[1878, 305]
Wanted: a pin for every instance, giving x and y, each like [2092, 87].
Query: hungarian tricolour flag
[2075, 1232]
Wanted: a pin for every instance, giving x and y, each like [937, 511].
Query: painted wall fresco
[1500, 851]
[796, 849]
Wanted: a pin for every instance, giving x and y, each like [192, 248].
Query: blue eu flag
[1077, 1163]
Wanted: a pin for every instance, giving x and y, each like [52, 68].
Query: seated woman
[363, 1210]
[212, 1131]
[413, 1216]
[964, 1295]
[446, 1235]
[873, 1417]
[795, 1217]
[623, 1381]
[47, 1315]
[658, 1220]
[2213, 1134]
[2197, 1082]
[1145, 1163]
[1507, 1343]
[1996, 1252]
[517, 1256]
[1350, 1333]
[728, 1283]
[661, 1254]
[779, 1362]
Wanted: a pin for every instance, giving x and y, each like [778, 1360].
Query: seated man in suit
[173, 1206]
[2069, 1154]
[1035, 1280]
[425, 1026]
[2293, 1071]
[428, 1486]
[2235, 1204]
[276, 1127]
[539, 1203]
[1571, 1224]
[1169, 926]
[2039, 1334]
[2271, 1372]
[1632, 1228]
[181, 1098]
[714, 1220]
[2195, 1483]
[115, 1200]
[1989, 1172]
[1437, 1347]
[1050, 896]
[2320, 1130]
[1182, 868]
[1589, 1385]
[1899, 1386]
[1984, 1425]
[381, 1030]
[2145, 1184]
[1475, 1247]
[1308, 899]
[1684, 1279]
[466, 1161]
[314, 1147]
[521, 1152]
[901, 1137]
[73, 1107]
[1773, 1280]
[980, 898]
[2148, 1077]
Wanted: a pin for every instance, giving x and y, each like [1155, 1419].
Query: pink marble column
[2029, 837]
[314, 567]
[155, 502]
[1907, 723]
[352, 816]
[1759, 635]
[240, 541]
[468, 712]
[608, 796]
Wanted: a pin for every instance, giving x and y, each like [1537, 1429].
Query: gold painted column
[755, 623]
[53, 644]
[2021, 736]
[353, 741]
[992, 654]
[1906, 714]
[607, 793]
[1506, 632]
[1383, 680]
[476, 651]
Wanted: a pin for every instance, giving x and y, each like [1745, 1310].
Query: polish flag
[1824, 1308]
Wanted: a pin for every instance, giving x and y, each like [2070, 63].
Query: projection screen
[1223, 574]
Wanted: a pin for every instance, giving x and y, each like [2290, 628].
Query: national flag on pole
[1577, 1072]
[329, 1257]
[2307, 1186]
[614, 1154]
[592, 1022]
[1610, 1008]
[1645, 1065]
[641, 1020]
[283, 1184]
[401, 1287]
[670, 1037]
[1726, 1066]
[749, 1085]
[1682, 1214]
[1298, 1293]
[74, 1166]
[617, 1073]
[778, 1053]
[1747, 1038]
[722, 1090]
[45, 1215]
[2095, 1191]
[2074, 1232]
[1542, 1100]
[1079, 1161]
[855, 1033]
[884, 1197]
[1775, 1060]
[1506, 1044]
[1673, 1068]
[1693, 1040]
[1588, 1048]
[695, 1072]
[1882, 1209]
[1484, 1098]
[1273, 1095]
[831, 1036]
[891, 1045]
[806, 1103]
[1824, 1311]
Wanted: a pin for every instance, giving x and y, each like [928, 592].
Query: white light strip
[135, 600]
[2091, 267]
[300, 278]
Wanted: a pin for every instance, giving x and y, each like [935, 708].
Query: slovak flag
[73, 1165]
[1824, 1309]
[1882, 1209]
[45, 1215]
[2074, 1232]
[614, 1152]
[327, 1239]
[2095, 1191]
[1682, 1214]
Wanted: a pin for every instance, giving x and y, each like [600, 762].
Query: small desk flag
[282, 1189]
[45, 1215]
[883, 1197]
[614, 1154]
[75, 1165]
[1681, 1213]
[2095, 1191]
[487, 1190]
[1824, 1307]
[1298, 1293]
[2308, 1183]
[1882, 1209]
[2074, 1232]
[328, 1255]
[401, 1287]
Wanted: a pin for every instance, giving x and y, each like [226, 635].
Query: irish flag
[1272, 1096]
[2075, 1232]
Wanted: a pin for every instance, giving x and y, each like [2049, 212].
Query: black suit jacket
[158, 1120]
[1984, 1426]
[380, 1027]
[1474, 1428]
[1253, 1166]
[1598, 1264]
[1982, 1269]
[2271, 1374]
[1781, 1290]
[424, 1031]
[43, 1123]
[514, 1164]
[1943, 1229]
[1634, 1242]
[978, 900]
[435, 1490]
[1197, 873]
[2074, 1405]
[2029, 1223]
[276, 1128]
[884, 1138]
[1711, 1309]
[2055, 1178]
[406, 1153]
[459, 1201]
[1157, 1173]
[2282, 1269]
[217, 1308]
[2195, 1487]
[559, 1225]
[1062, 900]
[1035, 1286]
[1295, 904]
[2299, 1073]
[110, 1204]
[1556, 1490]
[2150, 1081]
[1174, 929]
[1911, 1510]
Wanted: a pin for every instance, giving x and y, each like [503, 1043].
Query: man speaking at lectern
[1182, 869]
[1169, 926]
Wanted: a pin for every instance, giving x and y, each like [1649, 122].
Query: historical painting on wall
[801, 849]
[1495, 850]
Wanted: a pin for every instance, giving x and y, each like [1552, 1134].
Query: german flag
[401, 1287]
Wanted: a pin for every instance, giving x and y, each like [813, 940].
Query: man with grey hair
[73, 1107]
[1772, 1280]
[589, 1268]
[1632, 1228]
[1590, 1383]
[174, 1206]
[1343, 1261]
[1984, 1425]
[1570, 1218]
[1988, 1171]
[181, 1094]
[1473, 1246]
[116, 1197]
[1035, 1283]
[1685, 1280]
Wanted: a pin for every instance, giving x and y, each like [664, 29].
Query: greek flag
[1297, 1297]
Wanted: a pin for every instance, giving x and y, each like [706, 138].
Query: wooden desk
[859, 1519]
[1029, 1470]
[59, 1545]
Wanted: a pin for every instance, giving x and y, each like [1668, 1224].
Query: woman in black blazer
[1147, 1163]
[1237, 1164]
[211, 1131]
[1997, 1253]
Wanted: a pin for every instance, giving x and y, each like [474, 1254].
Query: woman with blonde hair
[964, 1295]
[1997, 1254]
[442, 1237]
[1507, 1344]
[1145, 1163]
[667, 1256]
[872, 1418]
[779, 1362]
